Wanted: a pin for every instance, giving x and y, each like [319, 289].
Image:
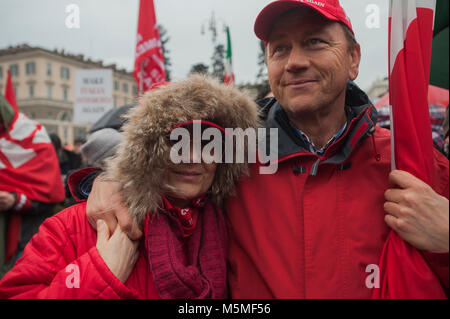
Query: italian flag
[229, 74]
[403, 272]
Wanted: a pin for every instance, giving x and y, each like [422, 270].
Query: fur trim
[142, 157]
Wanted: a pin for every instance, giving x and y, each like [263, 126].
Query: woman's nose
[196, 153]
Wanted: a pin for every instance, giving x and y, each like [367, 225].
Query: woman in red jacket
[178, 206]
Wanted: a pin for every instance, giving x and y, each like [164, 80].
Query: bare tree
[164, 40]
[200, 68]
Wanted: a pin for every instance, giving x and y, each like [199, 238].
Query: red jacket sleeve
[439, 263]
[55, 265]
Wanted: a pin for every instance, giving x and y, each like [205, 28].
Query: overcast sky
[108, 31]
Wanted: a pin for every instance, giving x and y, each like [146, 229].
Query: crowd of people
[137, 225]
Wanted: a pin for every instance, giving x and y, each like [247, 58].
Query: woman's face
[194, 179]
[190, 181]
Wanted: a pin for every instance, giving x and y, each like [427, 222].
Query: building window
[115, 100]
[31, 90]
[16, 90]
[116, 85]
[14, 69]
[125, 101]
[135, 90]
[125, 87]
[66, 134]
[65, 73]
[65, 93]
[49, 90]
[1, 73]
[30, 68]
[66, 117]
[49, 69]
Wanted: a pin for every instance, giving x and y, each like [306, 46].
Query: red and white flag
[149, 60]
[28, 161]
[411, 35]
[28, 167]
[229, 74]
[404, 274]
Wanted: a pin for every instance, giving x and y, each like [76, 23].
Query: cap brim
[267, 17]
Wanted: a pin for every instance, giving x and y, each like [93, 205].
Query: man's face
[309, 61]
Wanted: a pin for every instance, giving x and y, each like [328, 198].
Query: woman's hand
[118, 251]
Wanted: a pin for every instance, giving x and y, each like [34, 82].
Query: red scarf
[187, 216]
[187, 251]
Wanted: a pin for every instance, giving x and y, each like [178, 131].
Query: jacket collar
[361, 122]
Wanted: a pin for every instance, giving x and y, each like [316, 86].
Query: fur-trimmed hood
[142, 157]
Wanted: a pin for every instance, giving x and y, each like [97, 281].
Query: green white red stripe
[229, 74]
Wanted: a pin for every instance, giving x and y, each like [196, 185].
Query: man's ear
[355, 59]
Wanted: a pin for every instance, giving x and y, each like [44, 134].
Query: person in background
[437, 116]
[30, 184]
[101, 145]
[77, 145]
[68, 160]
[77, 149]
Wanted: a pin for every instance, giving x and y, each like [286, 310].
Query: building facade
[43, 81]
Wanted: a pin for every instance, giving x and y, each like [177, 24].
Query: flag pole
[141, 82]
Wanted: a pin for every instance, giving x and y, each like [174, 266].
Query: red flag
[10, 96]
[410, 58]
[403, 271]
[149, 61]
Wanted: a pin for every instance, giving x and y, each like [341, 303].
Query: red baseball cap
[331, 9]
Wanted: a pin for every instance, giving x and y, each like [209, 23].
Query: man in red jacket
[316, 228]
